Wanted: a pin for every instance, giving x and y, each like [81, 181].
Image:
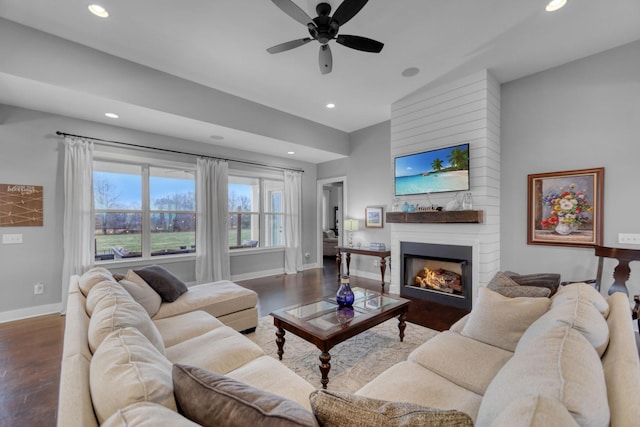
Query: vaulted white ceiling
[221, 44]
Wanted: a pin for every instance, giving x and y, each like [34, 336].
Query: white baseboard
[257, 274]
[25, 313]
[369, 275]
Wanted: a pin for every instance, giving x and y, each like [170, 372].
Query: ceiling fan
[324, 28]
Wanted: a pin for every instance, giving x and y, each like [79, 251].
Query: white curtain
[292, 223]
[212, 241]
[78, 230]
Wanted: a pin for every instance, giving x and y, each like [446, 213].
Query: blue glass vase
[344, 296]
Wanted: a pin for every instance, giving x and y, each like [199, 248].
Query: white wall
[584, 114]
[368, 184]
[466, 110]
[31, 153]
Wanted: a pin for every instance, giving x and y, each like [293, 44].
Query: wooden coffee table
[325, 324]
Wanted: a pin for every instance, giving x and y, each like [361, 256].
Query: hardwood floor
[30, 350]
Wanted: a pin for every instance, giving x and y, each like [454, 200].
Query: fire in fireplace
[435, 272]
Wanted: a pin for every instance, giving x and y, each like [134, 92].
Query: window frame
[145, 163]
[261, 212]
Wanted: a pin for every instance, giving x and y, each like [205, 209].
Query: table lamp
[351, 225]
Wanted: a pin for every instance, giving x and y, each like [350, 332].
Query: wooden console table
[371, 252]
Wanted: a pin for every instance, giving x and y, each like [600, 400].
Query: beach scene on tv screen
[446, 169]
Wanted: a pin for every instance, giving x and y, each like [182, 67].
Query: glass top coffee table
[325, 324]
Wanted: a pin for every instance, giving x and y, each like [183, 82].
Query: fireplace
[437, 272]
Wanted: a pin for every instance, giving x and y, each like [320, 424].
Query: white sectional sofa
[117, 360]
[568, 360]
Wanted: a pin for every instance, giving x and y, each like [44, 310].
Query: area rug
[354, 362]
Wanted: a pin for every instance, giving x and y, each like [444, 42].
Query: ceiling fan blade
[326, 59]
[347, 10]
[288, 45]
[360, 43]
[294, 11]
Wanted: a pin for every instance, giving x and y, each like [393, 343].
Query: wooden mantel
[436, 217]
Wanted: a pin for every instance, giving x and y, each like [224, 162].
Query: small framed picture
[373, 217]
[565, 208]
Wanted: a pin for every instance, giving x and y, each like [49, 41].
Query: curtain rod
[166, 150]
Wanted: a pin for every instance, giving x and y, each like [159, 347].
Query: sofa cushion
[335, 408]
[147, 414]
[106, 288]
[500, 321]
[114, 312]
[168, 286]
[216, 298]
[577, 313]
[457, 358]
[506, 286]
[410, 382]
[270, 374]
[534, 411]
[220, 350]
[210, 399]
[561, 365]
[92, 277]
[144, 294]
[183, 327]
[582, 291]
[125, 369]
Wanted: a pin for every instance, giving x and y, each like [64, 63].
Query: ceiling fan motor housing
[324, 30]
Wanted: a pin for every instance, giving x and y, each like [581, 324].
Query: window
[142, 210]
[255, 212]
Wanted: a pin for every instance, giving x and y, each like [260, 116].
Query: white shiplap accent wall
[464, 111]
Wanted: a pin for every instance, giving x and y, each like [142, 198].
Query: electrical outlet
[11, 239]
[375, 262]
[38, 289]
[629, 239]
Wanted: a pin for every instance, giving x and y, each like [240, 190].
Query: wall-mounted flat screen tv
[434, 171]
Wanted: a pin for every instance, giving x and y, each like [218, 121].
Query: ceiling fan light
[98, 10]
[554, 5]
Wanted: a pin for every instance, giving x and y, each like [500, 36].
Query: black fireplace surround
[460, 255]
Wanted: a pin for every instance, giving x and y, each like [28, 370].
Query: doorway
[331, 207]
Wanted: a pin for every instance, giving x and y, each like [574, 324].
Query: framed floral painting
[565, 208]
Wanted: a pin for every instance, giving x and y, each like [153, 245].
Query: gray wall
[581, 115]
[369, 183]
[31, 153]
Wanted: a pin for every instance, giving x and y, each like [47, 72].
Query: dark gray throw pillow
[210, 399]
[168, 286]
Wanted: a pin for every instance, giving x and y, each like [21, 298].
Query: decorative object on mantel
[373, 217]
[351, 225]
[565, 208]
[436, 217]
[21, 205]
[453, 205]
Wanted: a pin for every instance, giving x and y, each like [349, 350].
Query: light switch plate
[629, 239]
[11, 239]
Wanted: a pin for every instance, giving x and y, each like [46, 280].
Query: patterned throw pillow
[506, 286]
[337, 409]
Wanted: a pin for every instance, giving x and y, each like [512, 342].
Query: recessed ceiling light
[291, 152]
[98, 10]
[111, 115]
[218, 137]
[554, 5]
[330, 105]
[411, 71]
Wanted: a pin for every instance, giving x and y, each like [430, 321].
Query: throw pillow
[546, 280]
[118, 276]
[500, 321]
[144, 295]
[335, 408]
[504, 285]
[126, 369]
[168, 286]
[211, 399]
